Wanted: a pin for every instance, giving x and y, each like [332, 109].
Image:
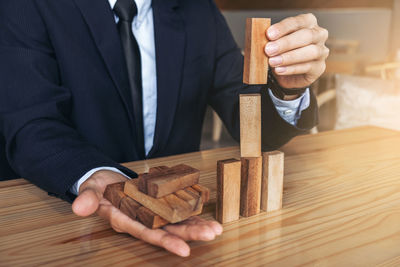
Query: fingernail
[272, 33]
[271, 48]
[280, 69]
[275, 61]
[185, 253]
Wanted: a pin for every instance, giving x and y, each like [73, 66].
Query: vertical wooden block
[272, 181]
[255, 60]
[250, 191]
[228, 190]
[250, 125]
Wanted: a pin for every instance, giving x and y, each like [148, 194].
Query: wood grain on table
[341, 208]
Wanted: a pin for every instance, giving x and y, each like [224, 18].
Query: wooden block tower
[261, 174]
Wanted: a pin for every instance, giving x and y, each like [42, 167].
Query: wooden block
[196, 195]
[272, 181]
[189, 197]
[250, 125]
[250, 193]
[158, 169]
[228, 190]
[129, 207]
[204, 192]
[164, 181]
[166, 208]
[255, 60]
[150, 219]
[114, 193]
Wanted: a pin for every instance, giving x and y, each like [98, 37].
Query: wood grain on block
[250, 193]
[272, 181]
[114, 193]
[228, 190]
[129, 207]
[255, 60]
[158, 169]
[204, 192]
[150, 219]
[250, 125]
[162, 181]
[166, 208]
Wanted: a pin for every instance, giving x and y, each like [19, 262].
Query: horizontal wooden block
[250, 125]
[162, 181]
[255, 69]
[150, 219]
[272, 181]
[228, 190]
[250, 194]
[169, 208]
[114, 193]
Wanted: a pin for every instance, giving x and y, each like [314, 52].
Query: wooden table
[341, 208]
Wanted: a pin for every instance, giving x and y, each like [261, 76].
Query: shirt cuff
[75, 188]
[290, 110]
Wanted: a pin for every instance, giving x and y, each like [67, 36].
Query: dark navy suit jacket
[63, 103]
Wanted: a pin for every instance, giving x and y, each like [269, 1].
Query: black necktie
[126, 10]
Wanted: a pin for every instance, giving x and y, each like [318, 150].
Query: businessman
[87, 84]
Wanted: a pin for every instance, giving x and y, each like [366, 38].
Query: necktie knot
[126, 10]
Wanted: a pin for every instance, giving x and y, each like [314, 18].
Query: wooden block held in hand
[162, 181]
[228, 190]
[150, 219]
[115, 193]
[250, 193]
[250, 125]
[153, 172]
[129, 207]
[255, 60]
[204, 192]
[272, 181]
[171, 208]
[190, 198]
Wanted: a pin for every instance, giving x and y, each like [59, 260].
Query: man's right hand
[172, 237]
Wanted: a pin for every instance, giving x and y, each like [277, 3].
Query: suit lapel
[100, 20]
[170, 48]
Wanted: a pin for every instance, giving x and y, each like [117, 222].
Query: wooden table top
[341, 208]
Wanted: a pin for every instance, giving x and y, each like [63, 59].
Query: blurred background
[361, 85]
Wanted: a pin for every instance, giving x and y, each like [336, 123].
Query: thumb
[86, 203]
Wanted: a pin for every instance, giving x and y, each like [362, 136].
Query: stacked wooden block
[255, 182]
[161, 196]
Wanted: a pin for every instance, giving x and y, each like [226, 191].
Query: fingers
[300, 55]
[86, 203]
[317, 67]
[123, 224]
[195, 228]
[298, 39]
[290, 25]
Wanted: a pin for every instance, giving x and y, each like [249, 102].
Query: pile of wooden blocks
[161, 196]
[255, 182]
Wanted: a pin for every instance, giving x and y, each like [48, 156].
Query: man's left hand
[297, 51]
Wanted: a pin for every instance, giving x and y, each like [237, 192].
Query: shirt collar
[143, 6]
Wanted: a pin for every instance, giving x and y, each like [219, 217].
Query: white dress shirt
[143, 30]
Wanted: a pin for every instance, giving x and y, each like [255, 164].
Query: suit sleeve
[227, 85]
[41, 142]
